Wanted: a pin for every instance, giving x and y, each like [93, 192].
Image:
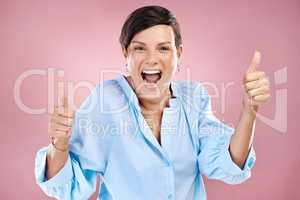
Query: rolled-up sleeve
[214, 159]
[71, 182]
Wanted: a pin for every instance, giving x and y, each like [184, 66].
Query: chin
[150, 93]
[153, 93]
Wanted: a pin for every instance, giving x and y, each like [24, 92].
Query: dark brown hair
[146, 17]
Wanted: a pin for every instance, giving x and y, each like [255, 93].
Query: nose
[152, 58]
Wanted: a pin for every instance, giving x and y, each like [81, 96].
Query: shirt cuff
[64, 176]
[231, 167]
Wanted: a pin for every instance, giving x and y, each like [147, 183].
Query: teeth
[151, 71]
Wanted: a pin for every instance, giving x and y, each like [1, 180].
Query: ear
[179, 51]
[125, 53]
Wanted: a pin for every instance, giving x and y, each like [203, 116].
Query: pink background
[219, 37]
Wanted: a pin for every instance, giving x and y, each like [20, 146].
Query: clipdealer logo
[278, 122]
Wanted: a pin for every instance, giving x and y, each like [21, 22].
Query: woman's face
[152, 62]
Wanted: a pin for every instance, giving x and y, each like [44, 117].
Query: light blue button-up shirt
[112, 139]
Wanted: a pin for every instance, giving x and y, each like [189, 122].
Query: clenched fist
[60, 125]
[256, 85]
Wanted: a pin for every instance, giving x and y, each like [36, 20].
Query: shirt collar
[132, 98]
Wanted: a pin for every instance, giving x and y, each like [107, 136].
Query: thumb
[65, 101]
[62, 98]
[64, 105]
[255, 61]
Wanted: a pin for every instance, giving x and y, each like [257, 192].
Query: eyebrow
[161, 43]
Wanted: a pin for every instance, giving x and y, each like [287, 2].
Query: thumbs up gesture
[60, 125]
[256, 84]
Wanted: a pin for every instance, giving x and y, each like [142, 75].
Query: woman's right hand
[60, 129]
[60, 124]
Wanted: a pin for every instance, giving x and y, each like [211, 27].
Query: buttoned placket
[169, 131]
[170, 116]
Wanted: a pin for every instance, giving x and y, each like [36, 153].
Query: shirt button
[251, 162]
[170, 196]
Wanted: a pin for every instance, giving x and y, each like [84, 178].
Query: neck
[154, 105]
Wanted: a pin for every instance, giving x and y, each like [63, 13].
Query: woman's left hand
[256, 85]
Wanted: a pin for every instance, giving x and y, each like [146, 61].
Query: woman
[148, 137]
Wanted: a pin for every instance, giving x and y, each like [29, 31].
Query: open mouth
[151, 76]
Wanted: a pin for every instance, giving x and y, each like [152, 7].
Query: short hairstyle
[146, 17]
